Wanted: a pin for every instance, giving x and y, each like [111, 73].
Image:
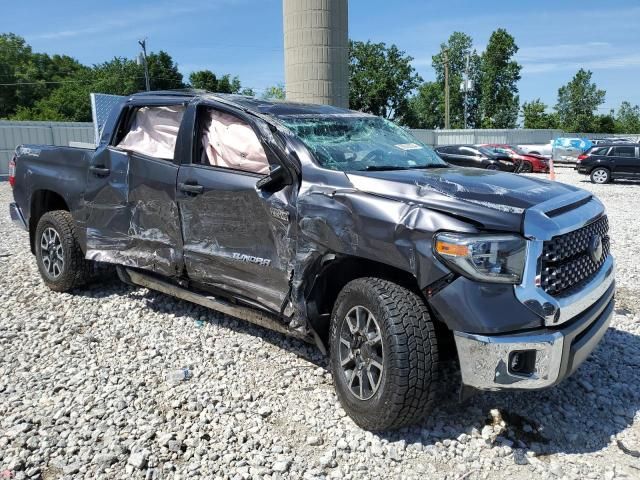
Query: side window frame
[196, 152]
[467, 151]
[125, 122]
[617, 154]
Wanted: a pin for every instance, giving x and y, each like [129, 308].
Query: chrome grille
[566, 260]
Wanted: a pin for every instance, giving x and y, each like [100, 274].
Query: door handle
[190, 188]
[99, 170]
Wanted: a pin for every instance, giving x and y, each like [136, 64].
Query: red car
[530, 162]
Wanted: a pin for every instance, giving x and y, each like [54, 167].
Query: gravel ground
[88, 389]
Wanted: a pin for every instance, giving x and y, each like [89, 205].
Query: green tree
[226, 84]
[380, 79]
[274, 92]
[204, 80]
[207, 80]
[120, 76]
[458, 47]
[57, 87]
[605, 123]
[69, 101]
[628, 118]
[28, 76]
[578, 101]
[535, 115]
[426, 107]
[163, 72]
[499, 102]
[15, 55]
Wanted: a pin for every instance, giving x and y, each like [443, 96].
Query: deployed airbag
[231, 143]
[154, 131]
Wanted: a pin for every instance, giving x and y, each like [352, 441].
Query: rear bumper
[485, 360]
[16, 216]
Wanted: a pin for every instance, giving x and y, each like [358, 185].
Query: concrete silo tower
[316, 51]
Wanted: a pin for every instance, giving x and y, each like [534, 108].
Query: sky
[244, 37]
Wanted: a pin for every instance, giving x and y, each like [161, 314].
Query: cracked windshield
[360, 142]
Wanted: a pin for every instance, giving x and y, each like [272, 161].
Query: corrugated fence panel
[425, 136]
[5, 156]
[11, 137]
[13, 134]
[64, 135]
[512, 137]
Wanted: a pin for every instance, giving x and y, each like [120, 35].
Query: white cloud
[141, 18]
[598, 63]
[562, 51]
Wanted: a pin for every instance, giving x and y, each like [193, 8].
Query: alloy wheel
[52, 252]
[600, 176]
[361, 353]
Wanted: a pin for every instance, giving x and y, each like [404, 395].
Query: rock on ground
[84, 391]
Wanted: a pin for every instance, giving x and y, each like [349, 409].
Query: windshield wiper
[419, 167]
[373, 168]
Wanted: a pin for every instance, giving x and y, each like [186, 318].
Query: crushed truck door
[237, 237]
[132, 214]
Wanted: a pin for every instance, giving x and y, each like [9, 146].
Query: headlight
[486, 258]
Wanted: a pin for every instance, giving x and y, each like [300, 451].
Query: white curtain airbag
[231, 143]
[154, 131]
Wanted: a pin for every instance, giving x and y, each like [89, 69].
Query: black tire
[600, 175]
[409, 381]
[526, 167]
[74, 271]
[493, 166]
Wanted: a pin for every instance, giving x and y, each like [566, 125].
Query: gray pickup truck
[338, 228]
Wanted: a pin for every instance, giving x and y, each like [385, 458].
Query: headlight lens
[486, 258]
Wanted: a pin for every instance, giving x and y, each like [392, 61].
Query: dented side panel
[236, 237]
[132, 214]
[347, 222]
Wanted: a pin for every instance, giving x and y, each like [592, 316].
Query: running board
[254, 316]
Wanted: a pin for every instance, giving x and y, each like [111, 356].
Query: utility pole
[446, 88]
[143, 44]
[466, 87]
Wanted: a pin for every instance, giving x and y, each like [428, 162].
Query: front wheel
[384, 354]
[492, 166]
[600, 175]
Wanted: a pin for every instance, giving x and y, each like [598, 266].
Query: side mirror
[275, 180]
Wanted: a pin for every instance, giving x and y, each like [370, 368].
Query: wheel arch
[336, 272]
[43, 201]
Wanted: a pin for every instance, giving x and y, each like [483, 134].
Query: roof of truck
[276, 108]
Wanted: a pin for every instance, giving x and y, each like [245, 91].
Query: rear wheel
[526, 167]
[58, 254]
[384, 354]
[600, 175]
[492, 166]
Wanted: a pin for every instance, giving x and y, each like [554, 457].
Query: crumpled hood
[491, 199]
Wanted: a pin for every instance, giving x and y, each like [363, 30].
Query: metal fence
[519, 136]
[13, 134]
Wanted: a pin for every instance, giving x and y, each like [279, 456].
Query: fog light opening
[522, 362]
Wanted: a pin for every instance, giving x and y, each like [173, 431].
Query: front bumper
[16, 216]
[485, 360]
